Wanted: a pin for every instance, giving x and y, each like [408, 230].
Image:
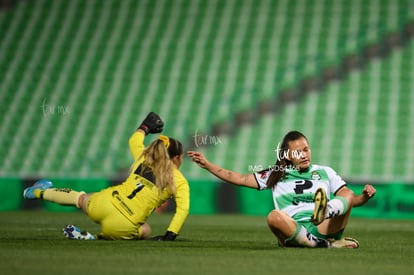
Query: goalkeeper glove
[168, 236]
[152, 124]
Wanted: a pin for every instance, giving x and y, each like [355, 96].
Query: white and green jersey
[294, 194]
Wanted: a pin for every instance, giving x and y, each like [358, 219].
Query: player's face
[300, 153]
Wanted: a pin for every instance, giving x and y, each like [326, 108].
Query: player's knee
[146, 231]
[349, 197]
[83, 201]
[275, 218]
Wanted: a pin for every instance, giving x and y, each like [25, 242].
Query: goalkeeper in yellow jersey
[122, 210]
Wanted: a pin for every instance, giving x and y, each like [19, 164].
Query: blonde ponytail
[157, 159]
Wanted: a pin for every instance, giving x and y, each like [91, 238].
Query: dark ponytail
[282, 162]
[175, 148]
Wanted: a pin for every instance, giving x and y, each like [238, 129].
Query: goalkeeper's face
[300, 153]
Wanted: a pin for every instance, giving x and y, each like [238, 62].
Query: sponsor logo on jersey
[315, 175]
[308, 197]
[124, 206]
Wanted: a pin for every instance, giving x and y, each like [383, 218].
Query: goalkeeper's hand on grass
[152, 124]
[168, 236]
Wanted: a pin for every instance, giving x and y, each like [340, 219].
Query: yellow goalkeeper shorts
[114, 224]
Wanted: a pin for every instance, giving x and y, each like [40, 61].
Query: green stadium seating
[351, 126]
[197, 63]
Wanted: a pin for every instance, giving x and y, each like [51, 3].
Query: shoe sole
[69, 231]
[318, 215]
[351, 243]
[347, 242]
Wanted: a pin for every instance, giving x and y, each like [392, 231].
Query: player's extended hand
[369, 191]
[168, 236]
[198, 158]
[152, 124]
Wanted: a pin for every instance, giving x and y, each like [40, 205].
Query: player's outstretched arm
[152, 124]
[232, 177]
[367, 193]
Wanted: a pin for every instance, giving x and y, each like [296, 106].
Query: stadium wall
[393, 200]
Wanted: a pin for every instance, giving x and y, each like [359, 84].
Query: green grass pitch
[31, 242]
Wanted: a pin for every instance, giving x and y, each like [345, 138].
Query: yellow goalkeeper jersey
[138, 196]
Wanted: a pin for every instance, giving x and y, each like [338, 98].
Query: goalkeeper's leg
[43, 189]
[63, 196]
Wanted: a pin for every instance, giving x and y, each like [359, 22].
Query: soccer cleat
[346, 242]
[318, 215]
[74, 233]
[29, 194]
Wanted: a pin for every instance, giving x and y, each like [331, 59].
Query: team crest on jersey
[315, 175]
[263, 174]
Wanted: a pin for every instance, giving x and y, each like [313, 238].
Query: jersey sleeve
[335, 181]
[182, 201]
[136, 144]
[261, 178]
